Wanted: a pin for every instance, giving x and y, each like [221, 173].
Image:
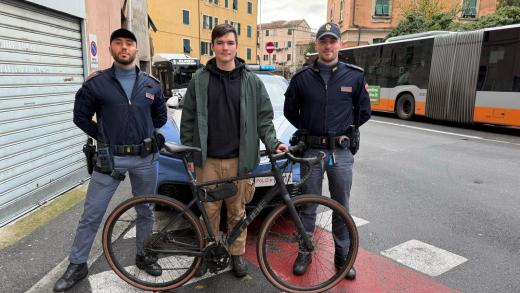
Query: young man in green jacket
[226, 110]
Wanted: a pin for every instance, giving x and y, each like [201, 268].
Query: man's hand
[191, 167]
[281, 148]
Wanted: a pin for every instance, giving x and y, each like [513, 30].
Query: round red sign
[269, 47]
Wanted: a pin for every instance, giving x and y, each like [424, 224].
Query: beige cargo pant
[216, 169]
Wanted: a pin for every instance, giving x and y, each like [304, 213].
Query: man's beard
[329, 58]
[128, 61]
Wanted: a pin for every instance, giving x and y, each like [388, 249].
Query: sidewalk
[34, 249]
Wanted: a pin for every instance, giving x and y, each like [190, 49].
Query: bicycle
[180, 242]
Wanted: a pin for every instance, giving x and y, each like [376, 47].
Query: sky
[313, 11]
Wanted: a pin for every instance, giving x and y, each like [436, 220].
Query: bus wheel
[405, 108]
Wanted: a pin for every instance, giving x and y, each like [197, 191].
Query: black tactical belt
[126, 150]
[322, 141]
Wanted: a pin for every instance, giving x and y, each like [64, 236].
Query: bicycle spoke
[321, 271]
[172, 245]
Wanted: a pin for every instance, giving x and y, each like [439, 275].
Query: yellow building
[185, 26]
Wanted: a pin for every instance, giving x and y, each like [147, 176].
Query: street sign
[93, 49]
[269, 47]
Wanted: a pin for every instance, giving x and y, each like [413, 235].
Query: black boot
[340, 261]
[301, 263]
[149, 264]
[73, 274]
[351, 275]
[239, 265]
[303, 259]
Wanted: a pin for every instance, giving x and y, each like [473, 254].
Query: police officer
[329, 100]
[129, 105]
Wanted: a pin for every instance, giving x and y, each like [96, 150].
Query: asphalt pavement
[436, 207]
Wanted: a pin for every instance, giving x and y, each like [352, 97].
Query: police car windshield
[276, 87]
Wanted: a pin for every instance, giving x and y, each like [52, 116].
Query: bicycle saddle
[174, 148]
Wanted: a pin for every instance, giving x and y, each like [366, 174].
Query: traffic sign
[269, 47]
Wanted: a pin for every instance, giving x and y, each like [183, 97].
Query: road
[436, 206]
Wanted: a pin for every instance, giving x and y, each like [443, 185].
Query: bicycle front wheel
[159, 229]
[333, 234]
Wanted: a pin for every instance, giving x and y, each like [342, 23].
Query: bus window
[500, 62]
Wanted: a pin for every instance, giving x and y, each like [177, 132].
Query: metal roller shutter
[41, 68]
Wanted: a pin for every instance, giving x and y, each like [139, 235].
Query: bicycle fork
[294, 214]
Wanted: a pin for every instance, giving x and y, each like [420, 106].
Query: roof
[284, 24]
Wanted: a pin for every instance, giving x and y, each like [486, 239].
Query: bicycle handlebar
[306, 161]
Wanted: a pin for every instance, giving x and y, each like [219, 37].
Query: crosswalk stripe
[324, 220]
[424, 257]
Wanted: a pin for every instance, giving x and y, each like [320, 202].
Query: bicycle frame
[278, 189]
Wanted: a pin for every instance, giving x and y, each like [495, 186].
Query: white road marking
[444, 132]
[108, 281]
[324, 220]
[424, 257]
[426, 129]
[360, 222]
[131, 233]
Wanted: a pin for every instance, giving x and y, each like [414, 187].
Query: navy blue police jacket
[322, 108]
[120, 121]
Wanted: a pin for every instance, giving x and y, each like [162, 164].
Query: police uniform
[122, 125]
[128, 108]
[327, 111]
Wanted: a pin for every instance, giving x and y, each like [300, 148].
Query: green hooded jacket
[256, 119]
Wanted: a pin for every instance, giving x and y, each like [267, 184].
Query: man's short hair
[221, 30]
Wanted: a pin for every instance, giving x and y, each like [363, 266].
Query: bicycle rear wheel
[170, 235]
[279, 243]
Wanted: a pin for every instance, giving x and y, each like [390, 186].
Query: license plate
[269, 181]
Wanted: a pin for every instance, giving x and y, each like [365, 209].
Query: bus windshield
[182, 75]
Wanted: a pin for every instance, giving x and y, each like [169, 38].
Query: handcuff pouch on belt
[105, 163]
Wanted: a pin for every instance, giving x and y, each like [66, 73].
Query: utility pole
[261, 38]
[198, 29]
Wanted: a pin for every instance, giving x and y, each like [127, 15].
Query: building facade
[99, 24]
[290, 39]
[134, 16]
[185, 26]
[369, 21]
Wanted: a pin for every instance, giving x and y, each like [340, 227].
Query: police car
[173, 177]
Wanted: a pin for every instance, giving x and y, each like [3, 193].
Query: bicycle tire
[272, 251]
[183, 231]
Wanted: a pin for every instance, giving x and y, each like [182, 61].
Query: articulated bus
[464, 77]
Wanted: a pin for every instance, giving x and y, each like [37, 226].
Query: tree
[309, 48]
[428, 15]
[424, 15]
[504, 3]
[503, 16]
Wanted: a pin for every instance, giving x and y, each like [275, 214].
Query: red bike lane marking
[375, 273]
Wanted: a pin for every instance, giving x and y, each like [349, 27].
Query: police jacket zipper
[325, 110]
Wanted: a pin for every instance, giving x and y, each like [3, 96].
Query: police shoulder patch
[304, 68]
[152, 77]
[94, 74]
[355, 67]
